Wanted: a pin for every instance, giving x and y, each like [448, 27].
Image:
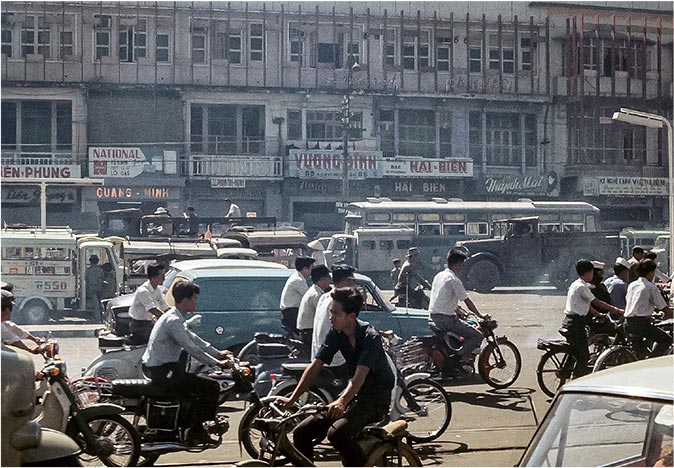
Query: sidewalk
[73, 329]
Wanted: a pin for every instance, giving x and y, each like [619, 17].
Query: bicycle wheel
[500, 364]
[428, 414]
[117, 442]
[554, 370]
[392, 454]
[612, 357]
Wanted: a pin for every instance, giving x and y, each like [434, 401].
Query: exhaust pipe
[160, 448]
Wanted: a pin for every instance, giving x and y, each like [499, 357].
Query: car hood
[420, 313]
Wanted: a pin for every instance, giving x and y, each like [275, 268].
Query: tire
[483, 276]
[612, 357]
[104, 428]
[249, 353]
[554, 370]
[433, 420]
[64, 461]
[34, 313]
[500, 370]
[387, 454]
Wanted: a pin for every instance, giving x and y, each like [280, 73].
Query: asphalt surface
[488, 427]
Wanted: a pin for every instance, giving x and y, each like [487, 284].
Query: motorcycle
[499, 361]
[98, 428]
[157, 414]
[24, 441]
[416, 399]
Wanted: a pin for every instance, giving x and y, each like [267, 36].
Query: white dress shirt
[170, 336]
[322, 326]
[305, 317]
[234, 211]
[643, 297]
[11, 332]
[145, 298]
[294, 290]
[578, 298]
[446, 292]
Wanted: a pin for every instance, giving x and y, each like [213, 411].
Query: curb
[67, 333]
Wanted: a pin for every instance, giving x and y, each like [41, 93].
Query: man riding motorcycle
[410, 283]
[162, 363]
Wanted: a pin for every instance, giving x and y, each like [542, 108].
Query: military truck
[521, 255]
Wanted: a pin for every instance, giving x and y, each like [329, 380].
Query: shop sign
[547, 185]
[227, 182]
[427, 167]
[135, 193]
[327, 164]
[626, 186]
[31, 171]
[55, 194]
[116, 161]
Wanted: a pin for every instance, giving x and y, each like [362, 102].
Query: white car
[616, 417]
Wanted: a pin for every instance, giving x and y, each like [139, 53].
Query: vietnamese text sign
[227, 182]
[327, 164]
[55, 194]
[654, 186]
[115, 162]
[427, 167]
[546, 185]
[32, 171]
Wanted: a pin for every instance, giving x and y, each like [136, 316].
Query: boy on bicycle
[578, 301]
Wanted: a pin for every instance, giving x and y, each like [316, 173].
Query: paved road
[488, 428]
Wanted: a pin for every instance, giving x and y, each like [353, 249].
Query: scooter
[24, 441]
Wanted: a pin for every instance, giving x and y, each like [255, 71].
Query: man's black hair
[155, 270]
[646, 265]
[340, 272]
[318, 272]
[350, 299]
[651, 255]
[184, 290]
[583, 266]
[303, 262]
[455, 256]
[618, 269]
[638, 249]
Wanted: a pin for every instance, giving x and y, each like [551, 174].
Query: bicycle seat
[261, 337]
[551, 344]
[141, 387]
[294, 367]
[564, 332]
[389, 431]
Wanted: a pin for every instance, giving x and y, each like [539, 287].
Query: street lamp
[346, 126]
[645, 119]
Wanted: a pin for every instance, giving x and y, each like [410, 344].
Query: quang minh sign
[116, 161]
[328, 164]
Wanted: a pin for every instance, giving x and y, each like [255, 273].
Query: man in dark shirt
[366, 398]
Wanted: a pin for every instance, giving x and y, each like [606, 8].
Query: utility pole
[346, 127]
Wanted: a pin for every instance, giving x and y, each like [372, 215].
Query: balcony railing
[23, 158]
[205, 166]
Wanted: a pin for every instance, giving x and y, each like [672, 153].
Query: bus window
[453, 229]
[478, 229]
[427, 217]
[378, 217]
[458, 217]
[403, 217]
[403, 244]
[385, 245]
[429, 230]
[368, 244]
[549, 227]
[591, 223]
[573, 227]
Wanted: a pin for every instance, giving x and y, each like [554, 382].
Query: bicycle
[632, 348]
[383, 445]
[556, 365]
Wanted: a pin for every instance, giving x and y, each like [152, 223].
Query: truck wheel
[483, 276]
[34, 313]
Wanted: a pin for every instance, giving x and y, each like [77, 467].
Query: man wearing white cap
[617, 284]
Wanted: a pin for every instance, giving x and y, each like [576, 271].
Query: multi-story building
[191, 103]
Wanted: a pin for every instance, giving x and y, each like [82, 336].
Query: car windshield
[170, 275]
[603, 430]
[249, 293]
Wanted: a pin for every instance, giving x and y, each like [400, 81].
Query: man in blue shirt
[367, 396]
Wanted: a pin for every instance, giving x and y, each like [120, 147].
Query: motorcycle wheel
[249, 437]
[612, 357]
[117, 440]
[500, 366]
[432, 420]
[554, 370]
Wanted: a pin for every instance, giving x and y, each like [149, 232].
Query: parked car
[622, 416]
[235, 303]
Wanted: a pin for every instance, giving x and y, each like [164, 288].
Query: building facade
[191, 103]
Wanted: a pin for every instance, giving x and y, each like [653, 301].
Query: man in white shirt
[643, 298]
[320, 276]
[12, 334]
[233, 211]
[293, 291]
[444, 311]
[342, 277]
[578, 301]
[148, 305]
[161, 360]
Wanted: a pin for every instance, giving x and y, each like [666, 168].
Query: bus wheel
[35, 313]
[483, 276]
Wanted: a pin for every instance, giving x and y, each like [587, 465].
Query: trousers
[472, 337]
[289, 319]
[642, 326]
[140, 331]
[577, 338]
